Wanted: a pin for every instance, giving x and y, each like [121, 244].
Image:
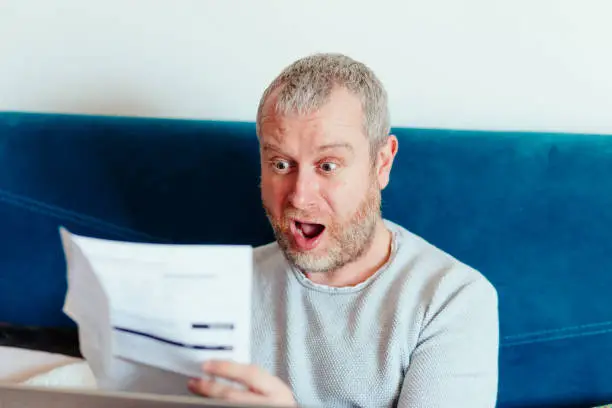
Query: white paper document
[149, 315]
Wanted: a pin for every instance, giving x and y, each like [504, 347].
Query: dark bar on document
[213, 326]
[173, 342]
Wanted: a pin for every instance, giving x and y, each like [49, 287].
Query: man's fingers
[262, 387]
[251, 376]
[214, 389]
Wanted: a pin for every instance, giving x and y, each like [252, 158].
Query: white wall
[481, 64]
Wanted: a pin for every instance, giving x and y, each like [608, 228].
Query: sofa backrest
[531, 211]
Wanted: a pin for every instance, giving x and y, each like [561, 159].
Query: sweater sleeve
[455, 362]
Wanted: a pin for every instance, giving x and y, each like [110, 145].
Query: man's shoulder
[437, 270]
[442, 285]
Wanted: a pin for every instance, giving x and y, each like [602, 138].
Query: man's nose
[305, 190]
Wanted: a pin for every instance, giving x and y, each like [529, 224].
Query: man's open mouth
[306, 236]
[309, 230]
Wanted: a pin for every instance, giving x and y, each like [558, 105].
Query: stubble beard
[347, 241]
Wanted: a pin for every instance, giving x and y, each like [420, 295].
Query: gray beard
[349, 241]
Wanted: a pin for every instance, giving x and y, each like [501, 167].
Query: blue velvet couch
[532, 211]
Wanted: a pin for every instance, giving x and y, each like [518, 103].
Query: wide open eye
[328, 167]
[281, 166]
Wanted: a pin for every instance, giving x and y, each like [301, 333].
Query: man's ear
[384, 160]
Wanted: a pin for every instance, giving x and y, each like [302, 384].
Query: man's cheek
[272, 200]
[343, 199]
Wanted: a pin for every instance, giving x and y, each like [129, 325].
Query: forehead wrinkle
[339, 145]
[310, 129]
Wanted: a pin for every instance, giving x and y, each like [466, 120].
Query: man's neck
[360, 270]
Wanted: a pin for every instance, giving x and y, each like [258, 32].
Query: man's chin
[312, 265]
[318, 259]
[309, 261]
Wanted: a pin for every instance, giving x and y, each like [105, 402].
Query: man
[351, 309]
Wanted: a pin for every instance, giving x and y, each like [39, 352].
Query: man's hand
[262, 388]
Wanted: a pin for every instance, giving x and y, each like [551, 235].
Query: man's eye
[328, 167]
[281, 165]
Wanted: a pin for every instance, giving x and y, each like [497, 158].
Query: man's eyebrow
[269, 146]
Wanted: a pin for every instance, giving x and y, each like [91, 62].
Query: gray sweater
[421, 332]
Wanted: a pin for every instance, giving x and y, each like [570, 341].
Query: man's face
[319, 187]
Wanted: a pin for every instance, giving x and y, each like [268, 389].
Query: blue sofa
[532, 211]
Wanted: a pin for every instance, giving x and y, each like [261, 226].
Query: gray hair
[306, 85]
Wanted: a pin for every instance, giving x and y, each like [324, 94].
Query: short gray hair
[306, 85]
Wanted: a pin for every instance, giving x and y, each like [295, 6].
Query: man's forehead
[339, 136]
[314, 123]
[336, 124]
[277, 145]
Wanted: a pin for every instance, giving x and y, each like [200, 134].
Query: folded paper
[149, 315]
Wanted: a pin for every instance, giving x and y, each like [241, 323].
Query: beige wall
[483, 64]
